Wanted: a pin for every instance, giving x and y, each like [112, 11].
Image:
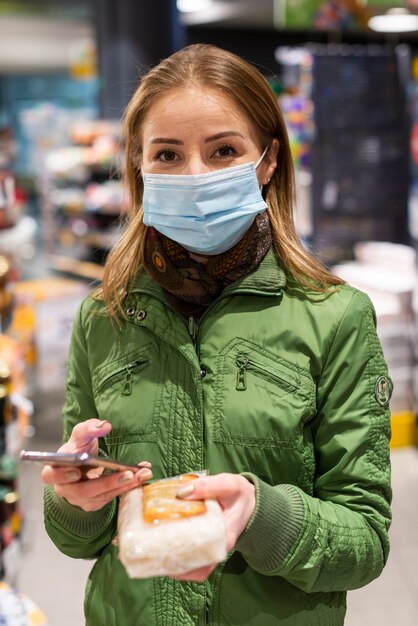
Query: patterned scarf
[190, 286]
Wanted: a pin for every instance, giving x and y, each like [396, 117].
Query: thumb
[217, 487]
[85, 432]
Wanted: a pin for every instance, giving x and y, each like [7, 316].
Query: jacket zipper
[242, 362]
[129, 374]
[193, 322]
[245, 363]
[193, 329]
[128, 377]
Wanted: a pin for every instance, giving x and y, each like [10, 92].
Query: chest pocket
[125, 393]
[260, 398]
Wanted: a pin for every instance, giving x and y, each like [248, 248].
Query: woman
[224, 345]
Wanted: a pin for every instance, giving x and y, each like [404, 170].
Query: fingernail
[72, 475]
[186, 490]
[145, 464]
[101, 424]
[145, 475]
[126, 477]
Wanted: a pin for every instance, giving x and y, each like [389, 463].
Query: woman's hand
[95, 492]
[236, 497]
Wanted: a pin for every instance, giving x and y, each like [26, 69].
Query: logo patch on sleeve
[382, 390]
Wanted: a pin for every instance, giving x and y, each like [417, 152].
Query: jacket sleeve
[336, 539]
[75, 532]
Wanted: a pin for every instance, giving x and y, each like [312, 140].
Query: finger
[103, 487]
[218, 487]
[93, 494]
[124, 481]
[91, 472]
[144, 464]
[85, 432]
[60, 475]
[144, 474]
[122, 487]
[197, 575]
[54, 475]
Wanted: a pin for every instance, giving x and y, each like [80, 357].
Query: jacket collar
[267, 280]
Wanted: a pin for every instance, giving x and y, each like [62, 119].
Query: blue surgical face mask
[206, 213]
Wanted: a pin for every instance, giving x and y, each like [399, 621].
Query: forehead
[197, 110]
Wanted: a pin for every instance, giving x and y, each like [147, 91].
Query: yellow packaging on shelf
[404, 429]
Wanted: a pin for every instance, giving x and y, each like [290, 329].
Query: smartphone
[83, 460]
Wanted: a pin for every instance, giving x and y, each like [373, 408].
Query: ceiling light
[396, 20]
[193, 6]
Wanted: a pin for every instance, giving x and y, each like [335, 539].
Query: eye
[224, 152]
[167, 156]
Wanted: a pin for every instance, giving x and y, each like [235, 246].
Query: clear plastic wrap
[193, 537]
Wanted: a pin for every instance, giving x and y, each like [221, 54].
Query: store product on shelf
[6, 294]
[18, 243]
[85, 132]
[16, 412]
[294, 94]
[5, 403]
[42, 320]
[8, 201]
[11, 355]
[83, 198]
[10, 520]
[13, 429]
[17, 232]
[8, 196]
[17, 609]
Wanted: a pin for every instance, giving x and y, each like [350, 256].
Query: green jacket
[290, 391]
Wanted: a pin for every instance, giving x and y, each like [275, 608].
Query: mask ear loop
[262, 157]
[258, 163]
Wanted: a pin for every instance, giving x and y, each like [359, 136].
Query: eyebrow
[174, 142]
[177, 142]
[226, 133]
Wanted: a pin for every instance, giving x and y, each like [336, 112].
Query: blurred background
[345, 73]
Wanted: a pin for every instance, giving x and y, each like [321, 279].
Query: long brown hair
[210, 67]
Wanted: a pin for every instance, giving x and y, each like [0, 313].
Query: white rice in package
[162, 535]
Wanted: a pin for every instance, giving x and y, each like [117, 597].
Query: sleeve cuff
[73, 519]
[276, 524]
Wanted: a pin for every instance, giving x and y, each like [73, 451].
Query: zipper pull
[242, 363]
[127, 388]
[193, 328]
